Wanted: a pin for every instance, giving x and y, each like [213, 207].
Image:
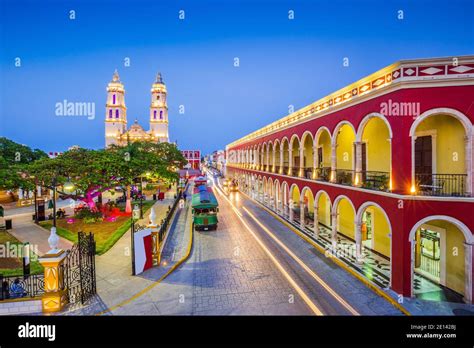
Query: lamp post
[135, 216]
[68, 187]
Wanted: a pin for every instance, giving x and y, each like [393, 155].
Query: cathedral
[116, 131]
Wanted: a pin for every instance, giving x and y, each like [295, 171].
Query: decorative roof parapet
[402, 71]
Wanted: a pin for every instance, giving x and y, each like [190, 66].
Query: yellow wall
[345, 144]
[381, 240]
[285, 153]
[295, 152]
[324, 216]
[309, 200]
[325, 143]
[450, 139]
[295, 196]
[376, 137]
[308, 152]
[454, 255]
[346, 218]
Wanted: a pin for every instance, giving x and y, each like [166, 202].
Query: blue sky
[282, 61]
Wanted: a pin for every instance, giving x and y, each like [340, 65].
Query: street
[254, 265]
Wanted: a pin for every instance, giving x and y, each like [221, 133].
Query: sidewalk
[25, 230]
[115, 283]
[377, 270]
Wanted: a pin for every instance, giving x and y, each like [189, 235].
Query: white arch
[443, 111]
[459, 224]
[305, 134]
[365, 205]
[319, 194]
[339, 199]
[293, 137]
[469, 238]
[303, 192]
[319, 132]
[292, 188]
[366, 120]
[339, 126]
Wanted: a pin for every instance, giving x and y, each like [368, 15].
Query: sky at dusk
[282, 62]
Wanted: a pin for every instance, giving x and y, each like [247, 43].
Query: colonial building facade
[116, 131]
[380, 171]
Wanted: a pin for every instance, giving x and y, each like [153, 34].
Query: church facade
[116, 131]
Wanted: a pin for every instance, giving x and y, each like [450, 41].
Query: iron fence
[344, 176]
[323, 173]
[22, 286]
[453, 185]
[376, 180]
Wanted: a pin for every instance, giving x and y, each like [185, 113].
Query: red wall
[402, 220]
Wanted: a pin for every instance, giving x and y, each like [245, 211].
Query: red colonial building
[193, 157]
[380, 171]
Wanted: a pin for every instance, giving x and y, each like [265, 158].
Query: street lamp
[68, 187]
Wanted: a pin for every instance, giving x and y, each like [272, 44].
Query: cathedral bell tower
[115, 111]
[159, 111]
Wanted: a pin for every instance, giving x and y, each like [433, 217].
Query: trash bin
[8, 224]
[154, 196]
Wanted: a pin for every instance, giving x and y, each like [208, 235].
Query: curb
[155, 283]
[341, 264]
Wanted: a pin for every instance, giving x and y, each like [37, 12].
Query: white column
[468, 273]
[38, 188]
[291, 210]
[281, 160]
[267, 165]
[20, 193]
[315, 161]
[358, 240]
[290, 160]
[316, 219]
[273, 159]
[302, 207]
[468, 143]
[358, 162]
[334, 230]
[301, 172]
[333, 162]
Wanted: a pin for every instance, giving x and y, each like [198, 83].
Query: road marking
[337, 261]
[304, 266]
[293, 283]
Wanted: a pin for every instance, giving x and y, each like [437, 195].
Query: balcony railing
[344, 176]
[453, 185]
[323, 173]
[277, 169]
[375, 180]
[285, 170]
[295, 171]
[308, 173]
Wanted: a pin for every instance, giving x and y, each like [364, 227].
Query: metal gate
[79, 269]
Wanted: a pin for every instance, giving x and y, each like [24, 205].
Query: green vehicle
[204, 209]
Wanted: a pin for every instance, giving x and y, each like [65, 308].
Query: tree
[14, 158]
[96, 171]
